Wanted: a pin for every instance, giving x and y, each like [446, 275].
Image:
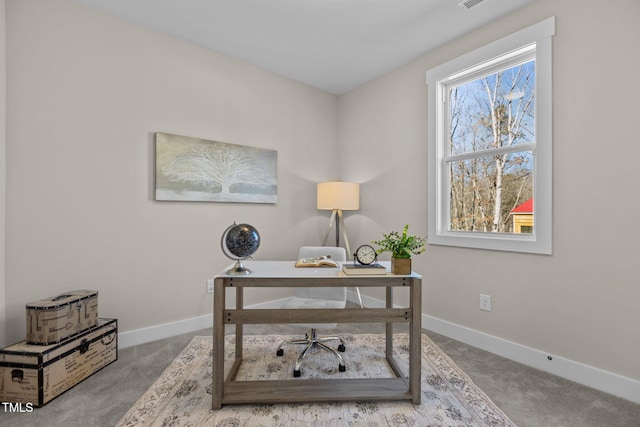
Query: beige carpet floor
[182, 394]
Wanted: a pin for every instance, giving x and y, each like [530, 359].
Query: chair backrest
[333, 294]
[337, 254]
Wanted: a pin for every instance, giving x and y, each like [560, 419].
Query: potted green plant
[401, 246]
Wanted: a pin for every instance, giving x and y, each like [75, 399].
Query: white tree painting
[193, 169]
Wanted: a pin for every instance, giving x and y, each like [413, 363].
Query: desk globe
[239, 242]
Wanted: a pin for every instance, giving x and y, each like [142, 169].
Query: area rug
[182, 394]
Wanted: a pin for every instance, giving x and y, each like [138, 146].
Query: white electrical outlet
[485, 302]
[209, 286]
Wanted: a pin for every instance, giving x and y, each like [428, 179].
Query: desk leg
[389, 325]
[218, 344]
[239, 326]
[415, 341]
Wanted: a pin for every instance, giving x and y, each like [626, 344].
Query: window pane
[485, 190]
[493, 101]
[497, 110]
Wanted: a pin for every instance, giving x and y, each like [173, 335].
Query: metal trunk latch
[84, 346]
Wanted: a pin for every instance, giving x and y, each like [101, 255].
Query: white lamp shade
[339, 195]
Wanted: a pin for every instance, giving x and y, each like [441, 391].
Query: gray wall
[86, 92]
[582, 302]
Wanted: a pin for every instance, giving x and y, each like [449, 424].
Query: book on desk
[360, 270]
[321, 261]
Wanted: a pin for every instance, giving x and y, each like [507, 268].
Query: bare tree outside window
[489, 117]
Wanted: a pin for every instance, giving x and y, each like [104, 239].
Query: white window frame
[540, 241]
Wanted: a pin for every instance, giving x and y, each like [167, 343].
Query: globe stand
[239, 268]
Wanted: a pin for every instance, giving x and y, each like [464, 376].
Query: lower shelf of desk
[315, 390]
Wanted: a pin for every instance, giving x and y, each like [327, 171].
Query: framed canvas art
[194, 169]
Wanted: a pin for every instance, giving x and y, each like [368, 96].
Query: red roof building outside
[524, 208]
[522, 217]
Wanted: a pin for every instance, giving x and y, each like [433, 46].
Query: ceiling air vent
[468, 4]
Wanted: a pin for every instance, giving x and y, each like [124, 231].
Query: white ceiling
[334, 45]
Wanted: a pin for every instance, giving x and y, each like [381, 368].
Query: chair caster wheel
[341, 348]
[296, 373]
[280, 352]
[342, 368]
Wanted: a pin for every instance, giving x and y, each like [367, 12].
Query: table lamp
[337, 196]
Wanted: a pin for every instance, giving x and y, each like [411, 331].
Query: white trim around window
[477, 61]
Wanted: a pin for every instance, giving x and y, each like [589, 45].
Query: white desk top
[287, 269]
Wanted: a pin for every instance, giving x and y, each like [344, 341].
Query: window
[490, 140]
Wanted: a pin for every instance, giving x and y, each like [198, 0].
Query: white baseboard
[580, 373]
[166, 330]
[596, 378]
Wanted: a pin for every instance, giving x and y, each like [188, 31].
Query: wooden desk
[284, 274]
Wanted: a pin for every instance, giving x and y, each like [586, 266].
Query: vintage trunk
[36, 374]
[54, 319]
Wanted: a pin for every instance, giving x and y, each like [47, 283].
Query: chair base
[312, 340]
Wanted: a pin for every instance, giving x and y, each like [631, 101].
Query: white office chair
[331, 297]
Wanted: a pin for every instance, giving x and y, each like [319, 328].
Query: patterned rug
[182, 394]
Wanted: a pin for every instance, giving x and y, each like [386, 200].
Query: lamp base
[336, 217]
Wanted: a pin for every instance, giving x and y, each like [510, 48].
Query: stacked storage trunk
[55, 319]
[66, 343]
